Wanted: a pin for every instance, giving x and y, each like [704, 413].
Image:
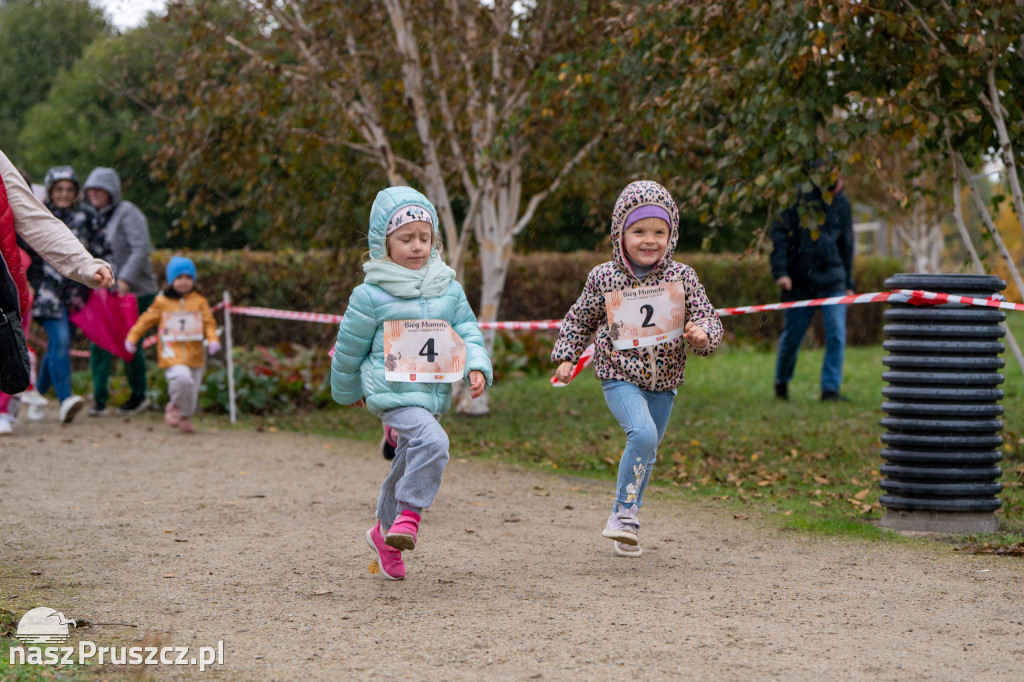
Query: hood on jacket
[387, 204]
[105, 179]
[58, 173]
[637, 194]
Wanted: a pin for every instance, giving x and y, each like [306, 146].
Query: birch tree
[749, 92]
[487, 107]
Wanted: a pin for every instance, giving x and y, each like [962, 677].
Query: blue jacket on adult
[127, 234]
[819, 261]
[392, 292]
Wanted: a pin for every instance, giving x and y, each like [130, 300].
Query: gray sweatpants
[420, 458]
[183, 383]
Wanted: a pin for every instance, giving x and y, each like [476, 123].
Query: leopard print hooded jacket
[652, 368]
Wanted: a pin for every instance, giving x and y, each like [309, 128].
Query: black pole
[942, 430]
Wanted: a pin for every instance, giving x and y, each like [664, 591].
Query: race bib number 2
[423, 351]
[646, 316]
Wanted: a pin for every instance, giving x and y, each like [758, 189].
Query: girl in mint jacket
[409, 286]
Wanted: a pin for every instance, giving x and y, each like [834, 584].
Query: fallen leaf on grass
[862, 494]
[373, 568]
[1016, 549]
[741, 517]
[470, 530]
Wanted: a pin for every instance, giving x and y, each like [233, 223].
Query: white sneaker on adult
[33, 397]
[69, 407]
[36, 413]
[5, 424]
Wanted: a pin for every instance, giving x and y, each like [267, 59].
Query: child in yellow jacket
[184, 320]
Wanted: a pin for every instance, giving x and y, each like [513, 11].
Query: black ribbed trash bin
[943, 426]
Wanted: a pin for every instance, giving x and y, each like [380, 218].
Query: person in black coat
[813, 258]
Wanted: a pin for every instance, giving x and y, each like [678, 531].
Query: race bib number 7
[646, 316]
[423, 351]
[184, 325]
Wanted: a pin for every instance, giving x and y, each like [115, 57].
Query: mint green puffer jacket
[357, 369]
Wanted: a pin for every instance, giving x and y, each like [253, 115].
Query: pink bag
[106, 318]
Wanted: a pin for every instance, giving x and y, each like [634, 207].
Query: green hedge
[539, 286]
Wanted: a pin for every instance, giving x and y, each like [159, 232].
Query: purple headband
[648, 211]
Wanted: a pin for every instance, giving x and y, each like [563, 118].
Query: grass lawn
[801, 464]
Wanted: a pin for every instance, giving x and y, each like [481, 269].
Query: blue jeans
[797, 321]
[55, 368]
[643, 415]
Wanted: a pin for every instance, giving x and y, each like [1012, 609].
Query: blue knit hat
[179, 265]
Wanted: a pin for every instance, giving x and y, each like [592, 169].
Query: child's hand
[358, 403]
[213, 348]
[130, 347]
[697, 337]
[564, 372]
[477, 383]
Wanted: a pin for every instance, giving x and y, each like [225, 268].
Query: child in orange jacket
[184, 320]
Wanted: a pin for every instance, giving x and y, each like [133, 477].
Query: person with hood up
[408, 334]
[642, 309]
[23, 215]
[125, 232]
[184, 320]
[56, 294]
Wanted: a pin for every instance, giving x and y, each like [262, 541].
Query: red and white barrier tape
[901, 296]
[327, 318]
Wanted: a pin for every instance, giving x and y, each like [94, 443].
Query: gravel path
[256, 539]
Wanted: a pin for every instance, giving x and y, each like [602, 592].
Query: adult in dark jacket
[53, 292]
[813, 258]
[125, 232]
[23, 215]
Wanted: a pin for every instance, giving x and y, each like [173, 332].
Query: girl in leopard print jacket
[639, 381]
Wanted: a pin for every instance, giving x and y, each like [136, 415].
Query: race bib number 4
[646, 316]
[183, 325]
[423, 351]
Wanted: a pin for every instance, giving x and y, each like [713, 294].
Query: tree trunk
[495, 256]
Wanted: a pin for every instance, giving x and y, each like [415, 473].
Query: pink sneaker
[185, 424]
[402, 534]
[172, 415]
[390, 559]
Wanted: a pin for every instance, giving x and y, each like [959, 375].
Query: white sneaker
[5, 424]
[36, 413]
[69, 407]
[628, 550]
[33, 397]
